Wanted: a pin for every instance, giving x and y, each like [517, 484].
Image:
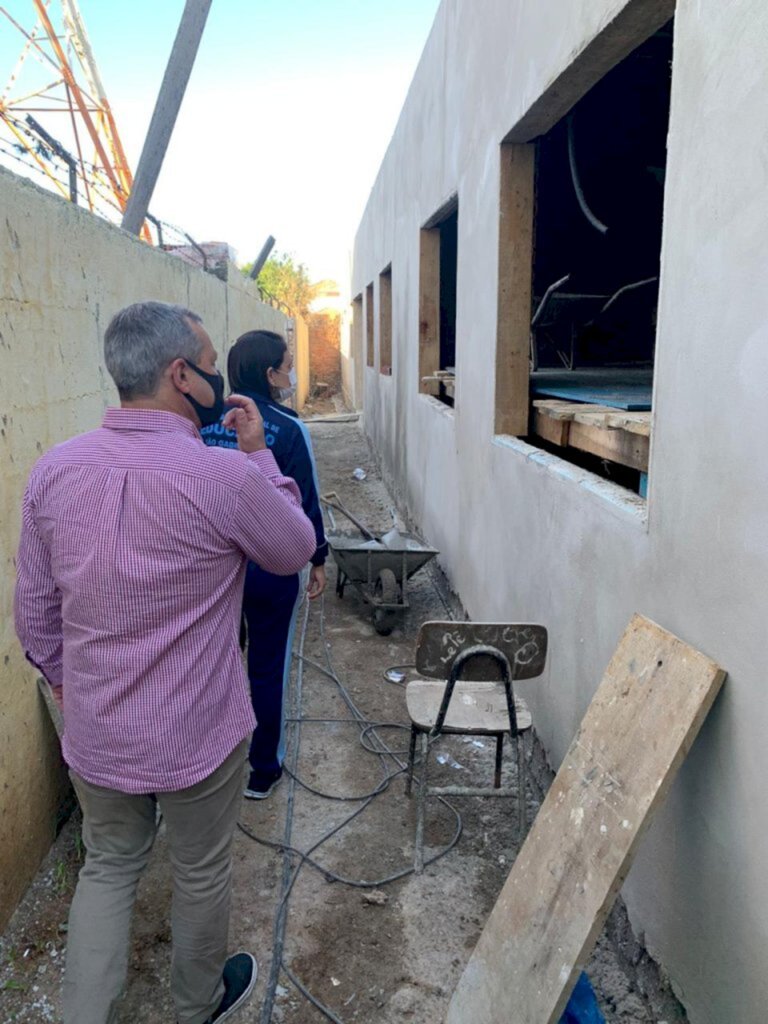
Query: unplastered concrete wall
[63, 273]
[301, 360]
[525, 536]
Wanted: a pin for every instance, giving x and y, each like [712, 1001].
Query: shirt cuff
[320, 554]
[265, 462]
[53, 672]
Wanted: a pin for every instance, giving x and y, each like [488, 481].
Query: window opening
[357, 327]
[369, 324]
[597, 191]
[385, 321]
[356, 339]
[438, 291]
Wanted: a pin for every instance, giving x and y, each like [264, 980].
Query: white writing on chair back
[439, 644]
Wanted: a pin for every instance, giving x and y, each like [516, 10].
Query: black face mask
[208, 414]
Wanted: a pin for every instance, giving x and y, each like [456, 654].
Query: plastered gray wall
[63, 273]
[525, 536]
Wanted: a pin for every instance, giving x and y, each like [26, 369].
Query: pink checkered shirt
[133, 549]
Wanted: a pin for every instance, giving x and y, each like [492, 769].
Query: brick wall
[325, 351]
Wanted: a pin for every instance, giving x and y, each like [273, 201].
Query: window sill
[621, 502]
[446, 410]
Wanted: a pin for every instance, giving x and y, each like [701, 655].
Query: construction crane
[70, 85]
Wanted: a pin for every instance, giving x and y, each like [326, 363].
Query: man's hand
[245, 419]
[316, 584]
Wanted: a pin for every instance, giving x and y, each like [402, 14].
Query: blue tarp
[582, 1007]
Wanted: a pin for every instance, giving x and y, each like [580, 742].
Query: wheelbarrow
[377, 567]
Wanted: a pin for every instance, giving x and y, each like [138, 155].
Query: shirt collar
[155, 420]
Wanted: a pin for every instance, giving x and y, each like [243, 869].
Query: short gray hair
[145, 338]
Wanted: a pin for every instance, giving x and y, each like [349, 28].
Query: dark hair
[251, 356]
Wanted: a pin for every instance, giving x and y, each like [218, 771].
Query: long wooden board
[622, 437]
[632, 422]
[594, 415]
[620, 446]
[559, 409]
[641, 723]
[554, 429]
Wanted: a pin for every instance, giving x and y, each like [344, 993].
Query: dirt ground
[389, 953]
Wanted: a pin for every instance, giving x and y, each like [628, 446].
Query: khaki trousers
[118, 833]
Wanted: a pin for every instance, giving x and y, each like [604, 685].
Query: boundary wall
[63, 273]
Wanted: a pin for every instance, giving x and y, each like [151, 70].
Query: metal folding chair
[469, 671]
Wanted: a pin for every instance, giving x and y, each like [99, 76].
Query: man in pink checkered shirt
[135, 539]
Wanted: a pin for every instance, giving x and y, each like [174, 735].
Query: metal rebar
[626, 288]
[505, 791]
[159, 225]
[421, 808]
[546, 297]
[199, 249]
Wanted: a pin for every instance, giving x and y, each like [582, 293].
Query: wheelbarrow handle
[326, 500]
[331, 516]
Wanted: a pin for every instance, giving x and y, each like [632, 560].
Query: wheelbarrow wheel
[386, 591]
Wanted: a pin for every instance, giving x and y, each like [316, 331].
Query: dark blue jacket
[288, 440]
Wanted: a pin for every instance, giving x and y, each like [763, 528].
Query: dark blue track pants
[270, 604]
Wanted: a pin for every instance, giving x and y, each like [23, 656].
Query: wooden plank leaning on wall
[643, 719]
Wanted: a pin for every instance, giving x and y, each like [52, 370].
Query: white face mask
[292, 382]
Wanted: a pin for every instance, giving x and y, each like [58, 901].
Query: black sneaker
[260, 786]
[240, 973]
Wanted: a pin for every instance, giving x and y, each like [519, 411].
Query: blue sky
[288, 112]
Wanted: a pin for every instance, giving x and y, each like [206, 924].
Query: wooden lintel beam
[636, 21]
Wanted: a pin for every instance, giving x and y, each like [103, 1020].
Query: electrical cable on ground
[278, 931]
[293, 858]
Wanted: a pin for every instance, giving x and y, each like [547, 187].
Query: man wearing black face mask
[178, 389]
[134, 544]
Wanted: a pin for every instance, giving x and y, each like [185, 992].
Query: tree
[286, 282]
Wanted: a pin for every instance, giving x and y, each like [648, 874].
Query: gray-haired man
[134, 544]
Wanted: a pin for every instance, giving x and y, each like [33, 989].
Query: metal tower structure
[56, 74]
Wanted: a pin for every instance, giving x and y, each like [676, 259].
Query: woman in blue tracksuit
[260, 366]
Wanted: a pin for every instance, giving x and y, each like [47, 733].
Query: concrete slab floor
[391, 953]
